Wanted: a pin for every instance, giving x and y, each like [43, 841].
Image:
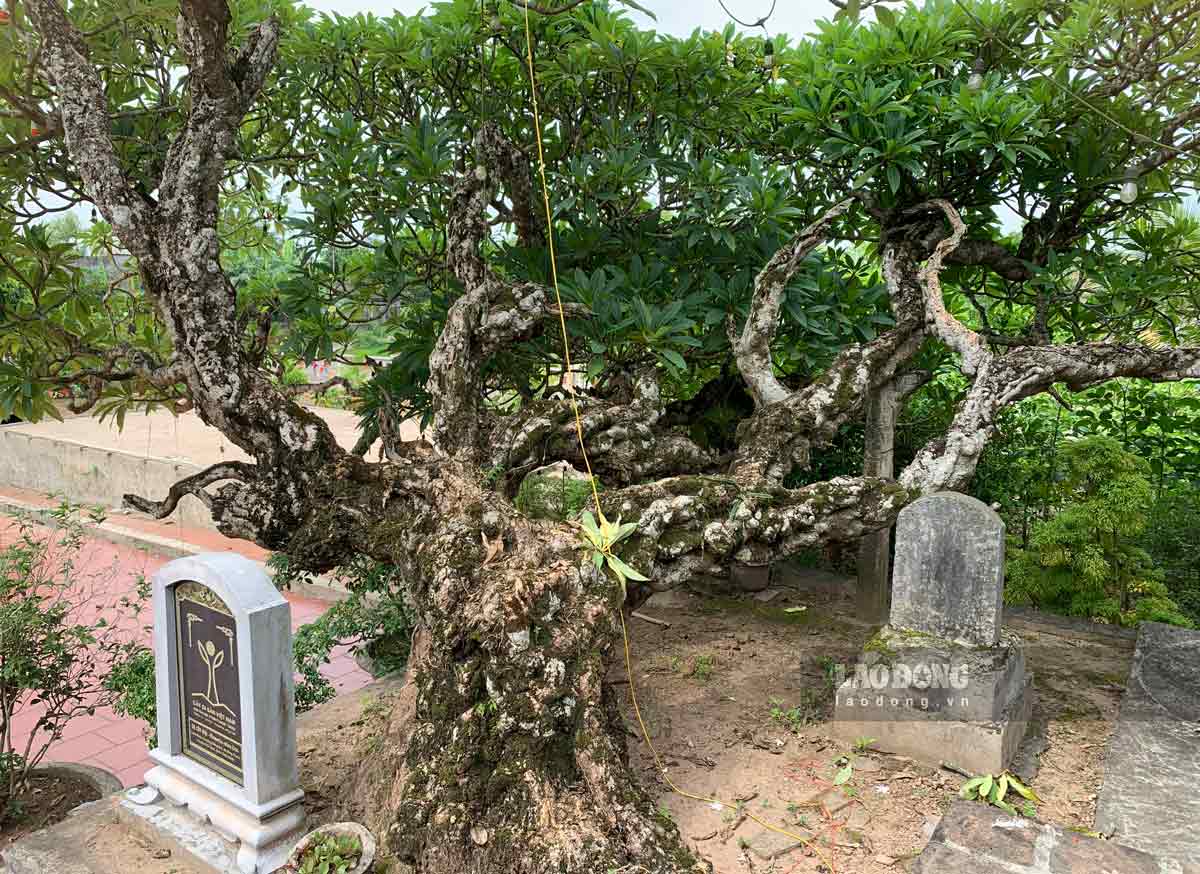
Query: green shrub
[59, 636]
[131, 680]
[1172, 537]
[1085, 559]
[374, 617]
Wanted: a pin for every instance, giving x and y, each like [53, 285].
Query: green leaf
[675, 358]
[885, 16]
[1021, 789]
[843, 775]
[970, 787]
[625, 570]
[985, 788]
[639, 7]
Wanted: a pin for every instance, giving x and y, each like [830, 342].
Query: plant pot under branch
[334, 830]
[750, 577]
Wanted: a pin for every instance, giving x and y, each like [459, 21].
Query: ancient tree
[507, 754]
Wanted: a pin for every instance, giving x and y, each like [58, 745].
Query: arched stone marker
[949, 569]
[941, 682]
[226, 708]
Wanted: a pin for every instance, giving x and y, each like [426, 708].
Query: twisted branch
[193, 485]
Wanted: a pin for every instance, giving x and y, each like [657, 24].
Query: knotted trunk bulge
[506, 752]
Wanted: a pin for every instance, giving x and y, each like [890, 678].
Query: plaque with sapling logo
[209, 691]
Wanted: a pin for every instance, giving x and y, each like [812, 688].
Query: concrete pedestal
[938, 701]
[260, 837]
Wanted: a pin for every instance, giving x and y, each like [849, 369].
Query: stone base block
[938, 701]
[222, 835]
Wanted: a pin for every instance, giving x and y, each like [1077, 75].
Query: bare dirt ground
[736, 698]
[49, 798]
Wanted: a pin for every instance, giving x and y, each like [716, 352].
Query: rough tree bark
[506, 754]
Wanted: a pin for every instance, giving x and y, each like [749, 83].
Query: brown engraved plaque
[210, 701]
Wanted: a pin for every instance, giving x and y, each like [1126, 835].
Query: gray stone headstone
[948, 577]
[226, 712]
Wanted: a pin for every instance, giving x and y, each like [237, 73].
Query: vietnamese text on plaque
[209, 691]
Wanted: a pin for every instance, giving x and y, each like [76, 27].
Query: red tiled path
[109, 570]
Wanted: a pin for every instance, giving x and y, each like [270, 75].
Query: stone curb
[104, 782]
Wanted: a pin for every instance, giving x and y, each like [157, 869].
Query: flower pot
[339, 829]
[750, 577]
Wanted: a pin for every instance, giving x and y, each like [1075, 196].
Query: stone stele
[941, 683]
[948, 577]
[226, 710]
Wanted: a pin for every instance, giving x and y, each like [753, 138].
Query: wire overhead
[762, 22]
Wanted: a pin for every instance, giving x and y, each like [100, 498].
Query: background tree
[1085, 560]
[731, 231]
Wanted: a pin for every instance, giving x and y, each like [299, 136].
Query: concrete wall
[91, 475]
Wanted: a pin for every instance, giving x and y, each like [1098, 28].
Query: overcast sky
[679, 17]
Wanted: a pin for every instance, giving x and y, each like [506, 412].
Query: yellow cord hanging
[562, 321]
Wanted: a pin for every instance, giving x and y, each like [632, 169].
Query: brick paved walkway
[110, 569]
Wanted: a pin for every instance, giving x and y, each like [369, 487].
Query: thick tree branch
[193, 485]
[968, 344]
[782, 434]
[84, 111]
[753, 347]
[698, 524]
[491, 314]
[626, 442]
[203, 33]
[949, 462]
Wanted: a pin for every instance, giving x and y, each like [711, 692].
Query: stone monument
[226, 751]
[941, 682]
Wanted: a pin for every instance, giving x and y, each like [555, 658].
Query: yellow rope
[569, 376]
[562, 321]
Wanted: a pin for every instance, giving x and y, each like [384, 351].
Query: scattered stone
[976, 839]
[833, 800]
[929, 826]
[859, 818]
[768, 845]
[866, 765]
[886, 861]
[161, 853]
[767, 595]
[142, 795]
[479, 836]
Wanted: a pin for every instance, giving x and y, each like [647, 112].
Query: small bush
[59, 637]
[131, 681]
[374, 617]
[1085, 559]
[1172, 538]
